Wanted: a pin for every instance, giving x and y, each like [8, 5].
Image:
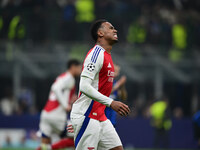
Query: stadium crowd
[169, 23]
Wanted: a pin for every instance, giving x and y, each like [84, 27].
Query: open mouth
[115, 36]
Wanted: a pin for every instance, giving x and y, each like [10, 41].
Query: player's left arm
[92, 65]
[91, 92]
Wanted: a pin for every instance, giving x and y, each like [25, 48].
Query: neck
[71, 72]
[105, 45]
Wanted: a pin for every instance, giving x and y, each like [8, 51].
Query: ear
[100, 33]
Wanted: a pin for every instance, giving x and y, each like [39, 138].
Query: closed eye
[111, 27]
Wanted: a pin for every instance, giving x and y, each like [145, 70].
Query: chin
[113, 41]
[116, 40]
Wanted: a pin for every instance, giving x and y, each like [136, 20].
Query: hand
[69, 107]
[70, 129]
[120, 108]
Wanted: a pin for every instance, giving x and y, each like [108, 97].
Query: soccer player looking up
[54, 115]
[92, 129]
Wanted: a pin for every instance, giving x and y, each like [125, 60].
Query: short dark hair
[72, 62]
[95, 27]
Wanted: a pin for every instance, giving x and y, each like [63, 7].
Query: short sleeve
[93, 63]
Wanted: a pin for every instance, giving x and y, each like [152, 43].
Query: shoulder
[69, 78]
[66, 76]
[95, 53]
[62, 76]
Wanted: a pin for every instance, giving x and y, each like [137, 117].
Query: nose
[115, 30]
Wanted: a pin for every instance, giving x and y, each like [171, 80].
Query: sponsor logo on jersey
[90, 148]
[110, 75]
[109, 65]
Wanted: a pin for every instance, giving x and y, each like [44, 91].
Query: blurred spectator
[85, 11]
[7, 143]
[179, 36]
[8, 105]
[178, 113]
[16, 28]
[26, 101]
[137, 31]
[70, 11]
[161, 122]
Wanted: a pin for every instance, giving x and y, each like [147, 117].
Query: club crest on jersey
[90, 67]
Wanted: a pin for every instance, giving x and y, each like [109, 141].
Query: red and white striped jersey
[60, 95]
[98, 66]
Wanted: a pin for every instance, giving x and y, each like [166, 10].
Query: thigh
[109, 138]
[45, 128]
[86, 133]
[58, 127]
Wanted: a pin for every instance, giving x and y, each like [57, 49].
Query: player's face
[109, 32]
[77, 70]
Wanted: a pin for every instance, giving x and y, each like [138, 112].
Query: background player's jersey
[60, 95]
[98, 66]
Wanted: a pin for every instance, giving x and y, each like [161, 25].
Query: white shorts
[50, 126]
[91, 134]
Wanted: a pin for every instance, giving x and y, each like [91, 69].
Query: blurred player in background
[92, 129]
[118, 92]
[54, 115]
